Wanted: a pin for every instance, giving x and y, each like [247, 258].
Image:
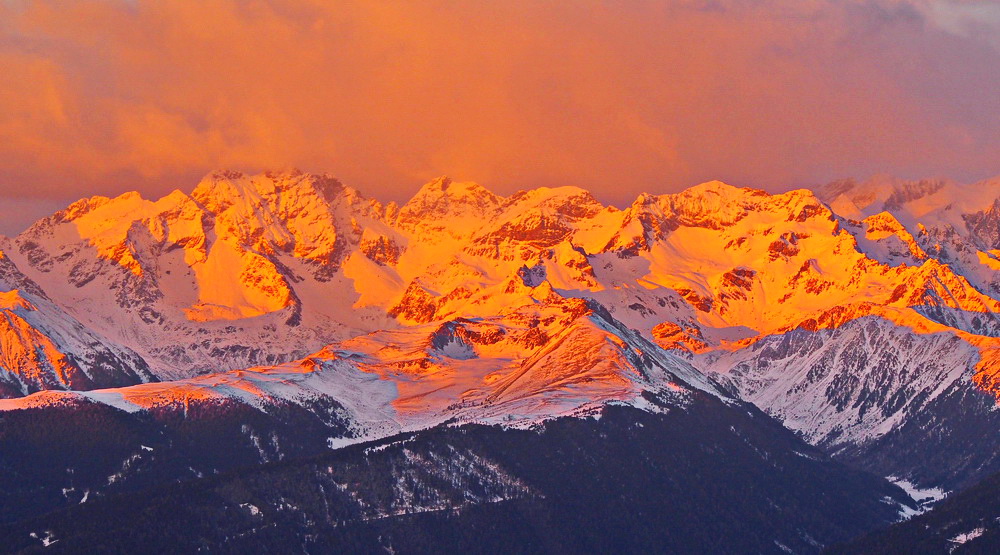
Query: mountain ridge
[261, 271]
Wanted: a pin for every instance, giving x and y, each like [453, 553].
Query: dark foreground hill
[712, 477]
[964, 523]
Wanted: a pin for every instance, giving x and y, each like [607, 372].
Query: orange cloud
[616, 97]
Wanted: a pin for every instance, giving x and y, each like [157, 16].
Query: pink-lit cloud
[618, 97]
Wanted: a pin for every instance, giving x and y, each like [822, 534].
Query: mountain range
[849, 333]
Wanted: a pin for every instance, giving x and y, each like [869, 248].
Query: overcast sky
[617, 97]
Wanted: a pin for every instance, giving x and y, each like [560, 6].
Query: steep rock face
[533, 220]
[31, 361]
[41, 347]
[212, 280]
[225, 240]
[984, 226]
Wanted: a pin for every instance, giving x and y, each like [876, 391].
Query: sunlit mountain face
[712, 347]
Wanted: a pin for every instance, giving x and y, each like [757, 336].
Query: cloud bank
[617, 97]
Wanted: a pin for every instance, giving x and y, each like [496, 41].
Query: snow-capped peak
[465, 297]
[444, 198]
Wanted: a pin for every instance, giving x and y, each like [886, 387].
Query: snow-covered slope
[464, 304]
[538, 362]
[255, 264]
[957, 224]
[849, 384]
[42, 347]
[214, 280]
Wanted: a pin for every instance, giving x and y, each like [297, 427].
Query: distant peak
[77, 209]
[717, 187]
[556, 192]
[223, 187]
[881, 188]
[176, 195]
[128, 195]
[444, 188]
[644, 200]
[220, 186]
[566, 201]
[443, 198]
[713, 184]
